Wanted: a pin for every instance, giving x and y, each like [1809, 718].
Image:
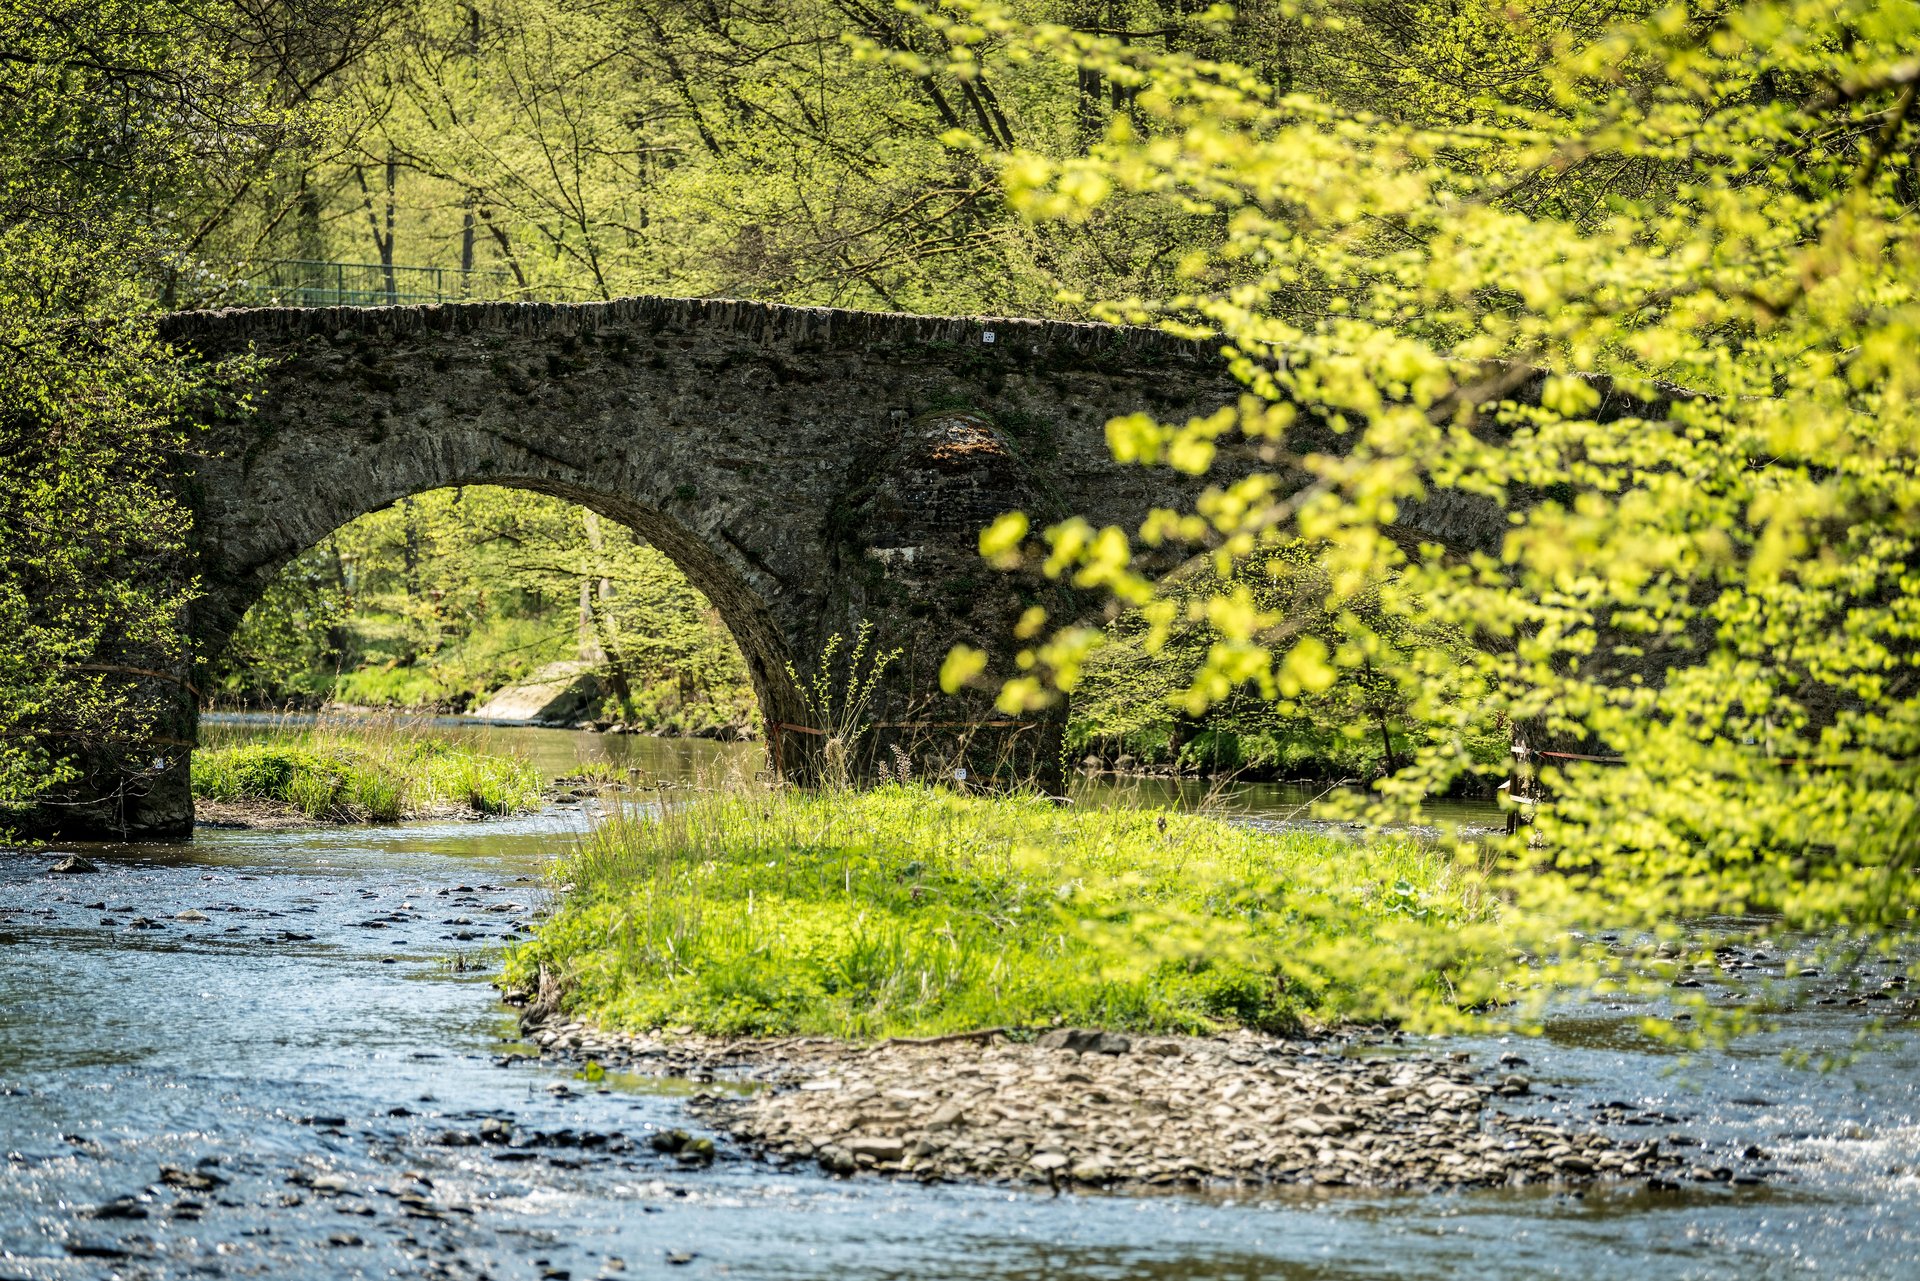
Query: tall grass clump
[909, 910]
[838, 702]
[375, 773]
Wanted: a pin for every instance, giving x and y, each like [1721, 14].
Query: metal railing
[302, 282]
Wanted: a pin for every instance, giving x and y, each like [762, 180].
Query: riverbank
[335, 774]
[940, 987]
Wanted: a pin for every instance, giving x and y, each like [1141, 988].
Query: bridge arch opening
[441, 599]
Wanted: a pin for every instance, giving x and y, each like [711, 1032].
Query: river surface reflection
[682, 760]
[269, 1092]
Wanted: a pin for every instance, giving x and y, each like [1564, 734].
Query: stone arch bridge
[809, 469]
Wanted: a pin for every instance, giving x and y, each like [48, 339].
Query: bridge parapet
[1012, 341]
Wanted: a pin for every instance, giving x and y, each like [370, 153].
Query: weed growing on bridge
[838, 702]
[916, 910]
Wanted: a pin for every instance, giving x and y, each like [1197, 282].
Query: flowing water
[271, 1091]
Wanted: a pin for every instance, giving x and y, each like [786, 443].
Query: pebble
[1085, 1041]
[877, 1148]
[124, 1207]
[196, 1180]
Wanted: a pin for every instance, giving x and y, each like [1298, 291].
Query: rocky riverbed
[314, 1082]
[1085, 1109]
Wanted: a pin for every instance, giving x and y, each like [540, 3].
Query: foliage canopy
[112, 112]
[1651, 318]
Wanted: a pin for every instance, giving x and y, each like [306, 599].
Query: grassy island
[915, 911]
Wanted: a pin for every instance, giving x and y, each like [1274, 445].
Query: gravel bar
[1089, 1109]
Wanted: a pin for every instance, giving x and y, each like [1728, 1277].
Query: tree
[805, 150]
[1653, 318]
[112, 110]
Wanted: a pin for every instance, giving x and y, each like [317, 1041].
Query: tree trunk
[600, 619]
[585, 643]
[1378, 705]
[386, 242]
[410, 546]
[467, 228]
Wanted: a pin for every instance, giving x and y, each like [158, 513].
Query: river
[265, 1093]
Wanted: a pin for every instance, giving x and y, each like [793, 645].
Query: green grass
[376, 775]
[914, 911]
[459, 674]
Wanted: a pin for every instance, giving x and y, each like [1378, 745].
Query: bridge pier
[125, 791]
[907, 563]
